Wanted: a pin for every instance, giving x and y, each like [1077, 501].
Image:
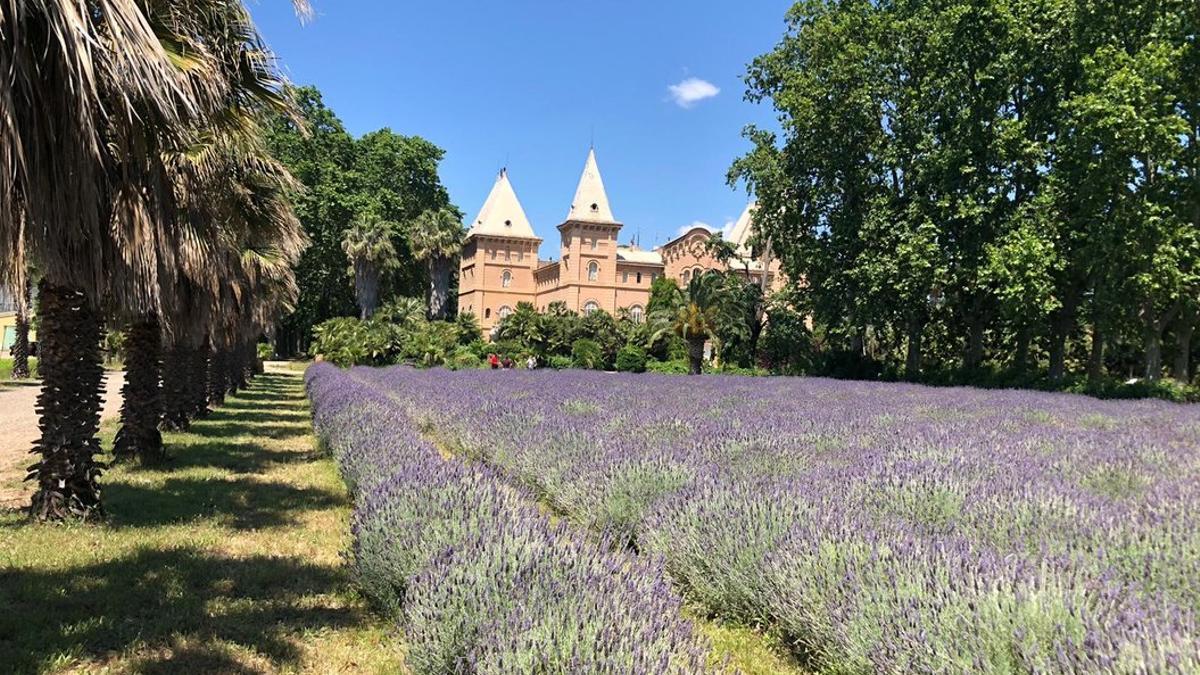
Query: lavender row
[479, 580]
[887, 528]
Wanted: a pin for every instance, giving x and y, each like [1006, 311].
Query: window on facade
[624, 277]
[687, 276]
[636, 313]
[506, 279]
[590, 306]
[487, 313]
[593, 271]
[594, 240]
[493, 254]
[639, 277]
[504, 312]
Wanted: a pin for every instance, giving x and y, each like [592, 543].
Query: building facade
[500, 266]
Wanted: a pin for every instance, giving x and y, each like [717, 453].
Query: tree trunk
[218, 376]
[20, 349]
[1153, 326]
[1096, 357]
[439, 288]
[1183, 350]
[176, 375]
[366, 287]
[1059, 330]
[142, 404]
[973, 354]
[198, 380]
[1021, 359]
[912, 359]
[68, 407]
[695, 355]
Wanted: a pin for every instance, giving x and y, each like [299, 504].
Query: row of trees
[374, 205]
[136, 183]
[969, 184]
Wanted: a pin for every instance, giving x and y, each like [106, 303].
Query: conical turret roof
[591, 201]
[743, 229]
[502, 215]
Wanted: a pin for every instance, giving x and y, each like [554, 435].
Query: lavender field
[877, 528]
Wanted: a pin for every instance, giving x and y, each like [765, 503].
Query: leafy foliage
[972, 185]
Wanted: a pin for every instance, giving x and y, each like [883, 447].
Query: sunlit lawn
[6, 369]
[227, 560]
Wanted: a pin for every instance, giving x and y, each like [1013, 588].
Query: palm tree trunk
[199, 371]
[439, 288]
[68, 406]
[20, 367]
[142, 404]
[218, 376]
[176, 374]
[695, 355]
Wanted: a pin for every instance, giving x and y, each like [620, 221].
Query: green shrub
[464, 358]
[631, 359]
[672, 367]
[559, 362]
[587, 354]
[265, 351]
[430, 343]
[350, 342]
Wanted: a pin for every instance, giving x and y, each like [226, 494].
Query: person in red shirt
[493, 361]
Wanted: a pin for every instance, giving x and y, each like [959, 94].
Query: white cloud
[692, 90]
[684, 229]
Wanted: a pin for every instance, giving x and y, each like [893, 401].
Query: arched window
[506, 279]
[687, 276]
[593, 271]
[504, 312]
[590, 306]
[487, 312]
[636, 313]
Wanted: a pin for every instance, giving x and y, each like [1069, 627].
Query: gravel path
[18, 431]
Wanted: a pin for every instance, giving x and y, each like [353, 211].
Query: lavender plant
[477, 576]
[879, 528]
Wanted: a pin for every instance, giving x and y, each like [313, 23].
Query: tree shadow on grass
[156, 600]
[241, 503]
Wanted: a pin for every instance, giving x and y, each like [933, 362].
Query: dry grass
[228, 560]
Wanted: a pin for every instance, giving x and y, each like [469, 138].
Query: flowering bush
[480, 580]
[878, 527]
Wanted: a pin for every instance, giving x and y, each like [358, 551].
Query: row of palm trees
[134, 178]
[435, 238]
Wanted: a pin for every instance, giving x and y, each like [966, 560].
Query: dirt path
[18, 431]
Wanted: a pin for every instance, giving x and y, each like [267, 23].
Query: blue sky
[529, 84]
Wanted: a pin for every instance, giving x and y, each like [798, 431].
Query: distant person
[493, 361]
[531, 362]
[508, 363]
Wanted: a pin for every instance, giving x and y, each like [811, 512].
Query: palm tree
[368, 244]
[95, 95]
[696, 315]
[212, 173]
[436, 237]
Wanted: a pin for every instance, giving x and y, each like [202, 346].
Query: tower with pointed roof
[499, 257]
[589, 234]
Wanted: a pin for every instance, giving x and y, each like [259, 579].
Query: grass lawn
[6, 368]
[229, 560]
